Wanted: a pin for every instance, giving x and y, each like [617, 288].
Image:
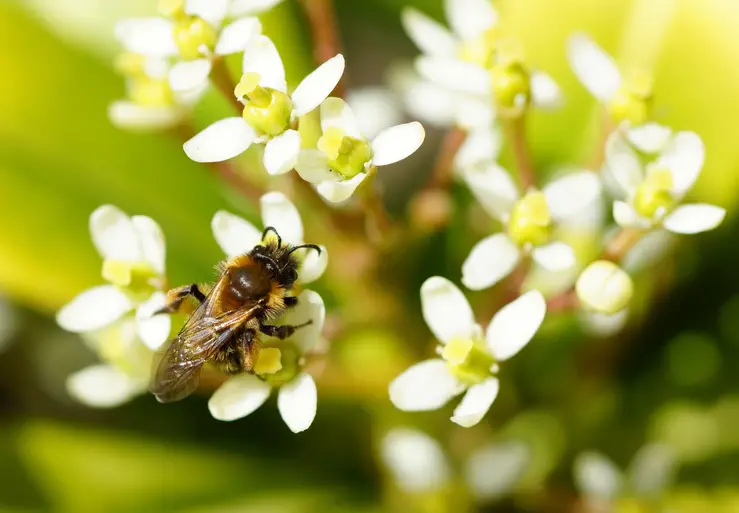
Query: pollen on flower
[269, 361]
[247, 85]
[136, 277]
[530, 221]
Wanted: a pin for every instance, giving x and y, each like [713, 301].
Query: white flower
[469, 359]
[237, 236]
[269, 112]
[493, 470]
[415, 460]
[344, 156]
[297, 395]
[653, 192]
[528, 221]
[193, 32]
[604, 287]
[602, 483]
[117, 319]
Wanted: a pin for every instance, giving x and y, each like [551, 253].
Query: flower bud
[194, 37]
[653, 196]
[530, 221]
[346, 155]
[511, 86]
[604, 287]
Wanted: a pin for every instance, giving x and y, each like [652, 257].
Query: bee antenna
[267, 259]
[273, 230]
[307, 246]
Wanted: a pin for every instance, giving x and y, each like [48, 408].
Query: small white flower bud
[604, 287]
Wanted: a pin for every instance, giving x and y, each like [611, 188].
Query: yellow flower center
[136, 278]
[150, 92]
[278, 366]
[653, 197]
[511, 86]
[194, 37]
[481, 50]
[633, 102]
[130, 64]
[269, 361]
[531, 221]
[469, 360]
[266, 110]
[346, 155]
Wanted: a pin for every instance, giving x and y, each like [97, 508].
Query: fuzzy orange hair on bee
[253, 289]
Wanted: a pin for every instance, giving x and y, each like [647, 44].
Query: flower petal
[476, 403]
[652, 469]
[421, 98]
[261, 56]
[103, 386]
[446, 310]
[494, 470]
[297, 402]
[93, 309]
[470, 18]
[493, 187]
[337, 192]
[397, 143]
[335, 112]
[376, 108]
[474, 112]
[569, 195]
[314, 264]
[479, 147]
[603, 325]
[491, 260]
[425, 386]
[252, 7]
[648, 250]
[238, 397]
[555, 256]
[545, 93]
[416, 460]
[594, 68]
[151, 241]
[221, 141]
[515, 325]
[694, 218]
[310, 308]
[623, 163]
[649, 137]
[153, 330]
[312, 166]
[153, 37]
[430, 36]
[626, 217]
[189, 75]
[131, 116]
[234, 235]
[457, 75]
[212, 11]
[281, 152]
[683, 156]
[114, 234]
[236, 36]
[280, 213]
[318, 85]
[596, 476]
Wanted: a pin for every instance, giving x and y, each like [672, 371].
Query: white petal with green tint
[491, 260]
[569, 195]
[446, 311]
[376, 108]
[253, 7]
[683, 156]
[422, 98]
[262, 57]
[152, 329]
[238, 397]
[397, 143]
[457, 75]
[281, 152]
[470, 18]
[555, 256]
[694, 218]
[235, 36]
[132, 116]
[545, 93]
[103, 386]
[318, 85]
[312, 166]
[430, 36]
[338, 192]
[153, 37]
[493, 187]
[233, 234]
[652, 469]
[425, 386]
[335, 112]
[212, 11]
[151, 241]
[650, 137]
[314, 264]
[280, 213]
[311, 308]
[189, 75]
[593, 67]
[93, 309]
[297, 402]
[223, 140]
[623, 163]
[476, 402]
[597, 477]
[114, 235]
[494, 470]
[415, 460]
[626, 217]
[479, 147]
[515, 325]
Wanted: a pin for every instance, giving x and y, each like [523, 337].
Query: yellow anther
[130, 64]
[346, 155]
[456, 350]
[194, 37]
[268, 111]
[131, 275]
[248, 83]
[633, 102]
[653, 196]
[331, 141]
[269, 361]
[531, 220]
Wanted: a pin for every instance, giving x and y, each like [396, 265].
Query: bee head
[279, 261]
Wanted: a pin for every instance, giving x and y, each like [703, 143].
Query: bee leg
[290, 301]
[247, 349]
[176, 297]
[281, 332]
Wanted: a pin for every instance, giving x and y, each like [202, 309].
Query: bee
[253, 289]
